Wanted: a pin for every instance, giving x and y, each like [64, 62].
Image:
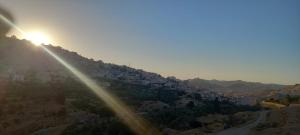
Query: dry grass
[22, 113]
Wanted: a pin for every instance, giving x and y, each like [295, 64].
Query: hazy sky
[252, 40]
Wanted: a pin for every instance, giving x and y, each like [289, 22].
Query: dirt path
[244, 130]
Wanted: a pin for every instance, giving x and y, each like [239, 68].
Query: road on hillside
[244, 130]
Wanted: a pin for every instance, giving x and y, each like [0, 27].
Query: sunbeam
[136, 123]
[7, 21]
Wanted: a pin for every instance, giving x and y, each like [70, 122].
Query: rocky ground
[216, 124]
[284, 121]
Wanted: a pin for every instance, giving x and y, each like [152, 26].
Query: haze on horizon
[233, 40]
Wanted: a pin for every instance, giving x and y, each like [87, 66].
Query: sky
[251, 40]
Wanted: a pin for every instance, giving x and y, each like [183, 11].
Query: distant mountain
[246, 92]
[231, 86]
[290, 90]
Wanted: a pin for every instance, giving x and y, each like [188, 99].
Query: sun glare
[38, 38]
[134, 121]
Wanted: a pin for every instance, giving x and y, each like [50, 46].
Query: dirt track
[244, 130]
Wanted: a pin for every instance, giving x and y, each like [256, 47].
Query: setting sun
[38, 38]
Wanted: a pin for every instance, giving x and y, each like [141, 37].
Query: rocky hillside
[26, 108]
[42, 97]
[17, 57]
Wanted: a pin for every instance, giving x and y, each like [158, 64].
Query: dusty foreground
[24, 112]
[285, 121]
[245, 129]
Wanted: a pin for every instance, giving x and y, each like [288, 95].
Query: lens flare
[136, 123]
[7, 21]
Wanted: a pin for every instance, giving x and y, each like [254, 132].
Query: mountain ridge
[98, 69]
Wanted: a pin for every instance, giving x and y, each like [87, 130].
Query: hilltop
[34, 58]
[31, 79]
[17, 57]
